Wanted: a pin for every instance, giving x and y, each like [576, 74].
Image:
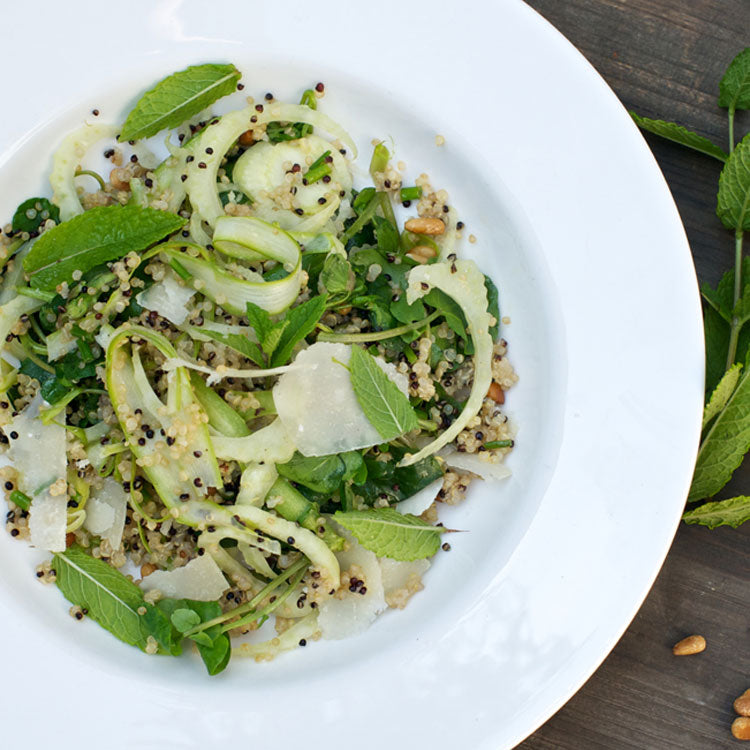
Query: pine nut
[496, 393]
[422, 253]
[741, 728]
[693, 644]
[247, 138]
[147, 569]
[70, 539]
[425, 226]
[742, 704]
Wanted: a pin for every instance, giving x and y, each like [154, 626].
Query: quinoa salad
[237, 385]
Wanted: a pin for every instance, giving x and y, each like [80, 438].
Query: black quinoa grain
[302, 642]
[197, 454]
[460, 225]
[148, 182]
[109, 153]
[13, 435]
[9, 486]
[258, 107]
[446, 547]
[240, 86]
[183, 177]
[319, 87]
[14, 532]
[133, 158]
[201, 165]
[198, 482]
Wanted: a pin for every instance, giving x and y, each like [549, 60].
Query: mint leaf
[302, 321]
[239, 343]
[388, 410]
[31, 214]
[722, 393]
[716, 331]
[260, 321]
[177, 98]
[725, 445]
[388, 533]
[731, 512]
[734, 87]
[678, 134]
[110, 598]
[185, 619]
[94, 237]
[733, 202]
[493, 305]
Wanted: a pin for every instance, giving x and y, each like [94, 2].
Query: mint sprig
[726, 419]
[388, 533]
[178, 97]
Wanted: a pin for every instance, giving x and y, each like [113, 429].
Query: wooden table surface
[664, 59]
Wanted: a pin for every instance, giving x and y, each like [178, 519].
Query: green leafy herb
[177, 98]
[731, 512]
[722, 394]
[733, 202]
[396, 483]
[31, 214]
[110, 598]
[302, 321]
[734, 87]
[387, 409]
[323, 474]
[679, 134]
[337, 277]
[388, 533]
[95, 237]
[238, 342]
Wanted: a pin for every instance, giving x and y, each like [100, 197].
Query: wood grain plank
[664, 59]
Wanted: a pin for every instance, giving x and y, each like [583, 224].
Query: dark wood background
[664, 59]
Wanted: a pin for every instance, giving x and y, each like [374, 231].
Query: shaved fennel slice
[255, 482]
[270, 444]
[59, 343]
[66, 161]
[401, 579]
[304, 629]
[48, 515]
[253, 239]
[255, 559]
[318, 422]
[221, 372]
[232, 293]
[105, 512]
[167, 297]
[201, 579]
[201, 182]
[350, 613]
[466, 286]
[11, 311]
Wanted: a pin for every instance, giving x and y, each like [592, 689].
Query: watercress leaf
[302, 321]
[178, 97]
[185, 619]
[388, 533]
[449, 309]
[217, 655]
[102, 234]
[260, 320]
[354, 467]
[493, 305]
[387, 409]
[734, 87]
[322, 474]
[239, 343]
[731, 512]
[722, 393]
[202, 638]
[32, 213]
[725, 444]
[158, 625]
[110, 598]
[337, 276]
[394, 482]
[386, 235]
[678, 134]
[53, 387]
[733, 200]
[405, 312]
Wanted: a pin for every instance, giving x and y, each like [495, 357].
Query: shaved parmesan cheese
[401, 579]
[473, 463]
[38, 454]
[201, 579]
[105, 512]
[418, 504]
[169, 298]
[317, 405]
[59, 343]
[353, 612]
[104, 336]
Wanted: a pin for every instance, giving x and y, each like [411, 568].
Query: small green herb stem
[410, 193]
[734, 331]
[39, 294]
[318, 169]
[362, 219]
[89, 173]
[22, 500]
[359, 338]
[385, 204]
[379, 161]
[30, 345]
[243, 609]
[494, 444]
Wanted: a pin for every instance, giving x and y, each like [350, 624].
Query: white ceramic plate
[576, 225]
